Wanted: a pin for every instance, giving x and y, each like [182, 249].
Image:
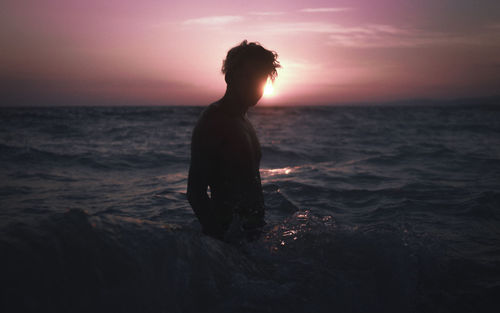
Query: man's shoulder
[210, 126]
[213, 118]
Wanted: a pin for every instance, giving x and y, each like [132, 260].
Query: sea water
[368, 209]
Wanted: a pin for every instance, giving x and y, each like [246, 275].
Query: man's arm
[198, 179]
[197, 191]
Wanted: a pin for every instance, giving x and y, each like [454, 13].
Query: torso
[237, 153]
[254, 141]
[240, 127]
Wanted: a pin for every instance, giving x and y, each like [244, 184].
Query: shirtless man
[225, 151]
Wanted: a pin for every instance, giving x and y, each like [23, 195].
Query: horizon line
[485, 100]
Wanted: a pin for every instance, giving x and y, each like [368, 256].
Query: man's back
[225, 156]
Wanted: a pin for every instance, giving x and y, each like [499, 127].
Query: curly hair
[254, 54]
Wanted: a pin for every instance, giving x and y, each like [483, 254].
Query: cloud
[376, 35]
[330, 28]
[214, 20]
[380, 36]
[324, 10]
[267, 13]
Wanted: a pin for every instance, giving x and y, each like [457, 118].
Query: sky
[153, 52]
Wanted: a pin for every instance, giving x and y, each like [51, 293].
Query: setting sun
[268, 89]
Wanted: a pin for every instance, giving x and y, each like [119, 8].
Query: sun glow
[268, 89]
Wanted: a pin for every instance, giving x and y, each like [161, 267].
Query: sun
[268, 89]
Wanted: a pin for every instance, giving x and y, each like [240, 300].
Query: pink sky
[170, 52]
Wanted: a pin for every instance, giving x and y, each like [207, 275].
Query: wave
[97, 160]
[484, 206]
[77, 261]
[74, 261]
[274, 155]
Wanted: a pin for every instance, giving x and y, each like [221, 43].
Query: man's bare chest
[251, 138]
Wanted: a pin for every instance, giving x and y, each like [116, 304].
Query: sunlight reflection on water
[278, 171]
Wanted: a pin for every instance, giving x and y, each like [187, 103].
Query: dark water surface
[369, 209]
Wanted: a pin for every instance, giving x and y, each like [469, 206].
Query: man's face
[253, 88]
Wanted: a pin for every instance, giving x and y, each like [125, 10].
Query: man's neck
[233, 103]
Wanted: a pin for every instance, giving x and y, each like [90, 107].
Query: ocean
[368, 209]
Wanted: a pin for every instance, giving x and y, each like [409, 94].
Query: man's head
[247, 67]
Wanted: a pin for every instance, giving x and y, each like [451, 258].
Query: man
[225, 151]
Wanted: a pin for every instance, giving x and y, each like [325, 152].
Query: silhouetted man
[225, 151]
